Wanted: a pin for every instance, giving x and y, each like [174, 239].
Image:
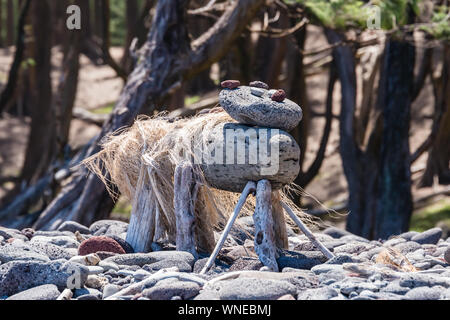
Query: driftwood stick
[264, 230]
[249, 188]
[279, 222]
[142, 221]
[307, 232]
[185, 190]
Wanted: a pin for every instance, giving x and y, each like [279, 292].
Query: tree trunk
[67, 86]
[131, 16]
[9, 22]
[1, 24]
[42, 140]
[394, 203]
[439, 154]
[165, 60]
[10, 88]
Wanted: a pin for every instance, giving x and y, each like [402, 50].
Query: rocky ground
[46, 265]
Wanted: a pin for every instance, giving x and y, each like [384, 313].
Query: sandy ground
[99, 87]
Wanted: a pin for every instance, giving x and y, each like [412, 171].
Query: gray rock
[352, 285]
[247, 108]
[413, 280]
[425, 293]
[300, 260]
[52, 251]
[246, 263]
[141, 259]
[82, 292]
[323, 293]
[253, 289]
[335, 232]
[407, 247]
[395, 288]
[168, 288]
[182, 266]
[325, 268]
[342, 258]
[21, 251]
[88, 297]
[109, 290]
[430, 236]
[73, 227]
[353, 248]
[18, 276]
[108, 227]
[44, 292]
[447, 255]
[60, 241]
[393, 242]
[354, 238]
[8, 233]
[208, 295]
[125, 245]
[408, 235]
[53, 233]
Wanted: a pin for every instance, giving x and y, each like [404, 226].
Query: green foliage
[428, 217]
[440, 28]
[342, 14]
[117, 22]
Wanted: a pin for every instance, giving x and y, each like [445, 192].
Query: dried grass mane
[147, 153]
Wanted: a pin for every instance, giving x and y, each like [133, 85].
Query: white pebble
[257, 91]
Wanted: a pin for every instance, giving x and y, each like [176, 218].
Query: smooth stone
[353, 248]
[246, 108]
[447, 255]
[87, 291]
[94, 269]
[109, 290]
[53, 233]
[259, 84]
[8, 233]
[425, 293]
[300, 260]
[168, 288]
[73, 226]
[257, 91]
[407, 247]
[125, 245]
[18, 276]
[141, 259]
[100, 243]
[354, 286]
[395, 288]
[335, 232]
[88, 260]
[108, 227]
[141, 274]
[182, 266]
[394, 241]
[108, 266]
[44, 292]
[408, 235]
[413, 280]
[323, 293]
[253, 289]
[431, 236]
[325, 268]
[125, 273]
[88, 297]
[342, 258]
[96, 282]
[354, 238]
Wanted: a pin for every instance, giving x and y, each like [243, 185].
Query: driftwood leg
[279, 223]
[204, 231]
[307, 232]
[185, 190]
[250, 187]
[142, 222]
[264, 233]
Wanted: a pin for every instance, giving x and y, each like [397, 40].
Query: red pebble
[99, 243]
[279, 95]
[230, 84]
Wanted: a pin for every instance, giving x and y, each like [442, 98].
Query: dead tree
[43, 133]
[8, 91]
[10, 22]
[166, 60]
